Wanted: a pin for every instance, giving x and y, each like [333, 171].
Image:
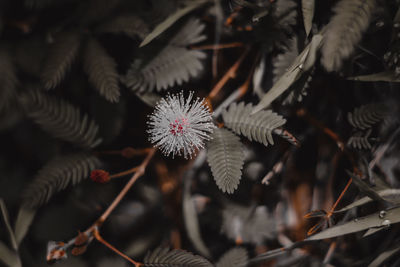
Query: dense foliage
[285, 112]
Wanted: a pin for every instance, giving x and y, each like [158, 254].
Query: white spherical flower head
[180, 126]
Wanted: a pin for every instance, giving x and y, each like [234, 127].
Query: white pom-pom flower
[178, 126]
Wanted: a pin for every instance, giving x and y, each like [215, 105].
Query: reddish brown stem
[339, 198]
[303, 113]
[139, 172]
[98, 237]
[216, 46]
[124, 173]
[231, 73]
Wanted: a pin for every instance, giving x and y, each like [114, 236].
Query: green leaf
[385, 76]
[307, 7]
[6, 219]
[302, 63]
[24, 220]
[375, 220]
[9, 257]
[160, 28]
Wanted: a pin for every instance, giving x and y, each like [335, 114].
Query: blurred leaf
[383, 257]
[163, 257]
[160, 28]
[385, 76]
[190, 214]
[307, 7]
[303, 63]
[9, 257]
[374, 220]
[234, 257]
[391, 195]
[24, 220]
[6, 219]
[271, 254]
[148, 98]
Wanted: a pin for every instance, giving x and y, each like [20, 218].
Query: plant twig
[139, 172]
[217, 46]
[304, 114]
[93, 230]
[231, 73]
[101, 240]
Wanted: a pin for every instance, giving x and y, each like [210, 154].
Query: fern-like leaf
[163, 257]
[345, 30]
[8, 80]
[237, 257]
[360, 140]
[366, 116]
[225, 157]
[60, 119]
[61, 56]
[174, 65]
[102, 71]
[129, 25]
[257, 127]
[56, 175]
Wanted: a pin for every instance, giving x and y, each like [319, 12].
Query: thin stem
[216, 46]
[139, 172]
[303, 113]
[124, 173]
[340, 197]
[231, 73]
[101, 240]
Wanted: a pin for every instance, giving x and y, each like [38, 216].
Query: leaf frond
[102, 71]
[56, 175]
[360, 140]
[163, 257]
[174, 65]
[345, 30]
[60, 119]
[257, 127]
[237, 257]
[225, 157]
[366, 116]
[60, 58]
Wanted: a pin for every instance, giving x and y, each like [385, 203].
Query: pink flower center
[178, 127]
